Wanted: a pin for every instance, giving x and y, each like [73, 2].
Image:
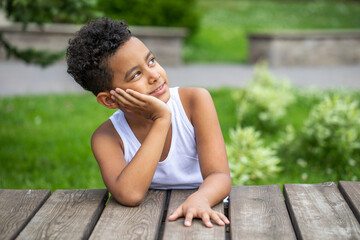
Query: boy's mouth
[160, 90]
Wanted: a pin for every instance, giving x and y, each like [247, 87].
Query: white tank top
[180, 170]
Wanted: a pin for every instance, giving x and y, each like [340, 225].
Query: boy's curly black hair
[88, 53]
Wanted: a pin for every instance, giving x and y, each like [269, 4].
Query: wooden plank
[319, 211]
[259, 212]
[67, 214]
[351, 193]
[177, 230]
[142, 222]
[17, 207]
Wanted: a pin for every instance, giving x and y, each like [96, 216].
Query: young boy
[161, 137]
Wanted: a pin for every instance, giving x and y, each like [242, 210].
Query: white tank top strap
[127, 136]
[174, 92]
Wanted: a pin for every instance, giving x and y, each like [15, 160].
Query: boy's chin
[165, 97]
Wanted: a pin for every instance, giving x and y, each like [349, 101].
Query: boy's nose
[154, 76]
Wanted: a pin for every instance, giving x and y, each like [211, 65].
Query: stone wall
[305, 48]
[165, 43]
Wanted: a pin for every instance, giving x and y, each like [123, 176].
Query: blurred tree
[180, 13]
[43, 11]
[40, 12]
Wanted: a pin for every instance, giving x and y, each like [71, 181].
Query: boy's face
[135, 67]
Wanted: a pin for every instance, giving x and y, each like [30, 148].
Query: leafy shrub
[42, 11]
[330, 137]
[179, 13]
[264, 100]
[249, 160]
[332, 132]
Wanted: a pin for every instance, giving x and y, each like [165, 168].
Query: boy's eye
[135, 75]
[152, 61]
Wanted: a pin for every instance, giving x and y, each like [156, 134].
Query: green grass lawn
[45, 140]
[224, 25]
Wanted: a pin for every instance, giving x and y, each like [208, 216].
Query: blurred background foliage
[264, 100]
[305, 135]
[225, 24]
[40, 12]
[164, 13]
[180, 13]
[218, 28]
[47, 11]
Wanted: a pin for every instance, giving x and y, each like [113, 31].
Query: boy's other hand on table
[196, 206]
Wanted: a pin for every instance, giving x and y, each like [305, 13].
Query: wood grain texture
[142, 222]
[177, 230]
[259, 212]
[319, 211]
[351, 193]
[17, 207]
[68, 214]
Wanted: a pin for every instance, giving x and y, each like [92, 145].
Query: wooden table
[304, 211]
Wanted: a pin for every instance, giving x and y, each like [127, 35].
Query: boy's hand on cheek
[147, 106]
[196, 206]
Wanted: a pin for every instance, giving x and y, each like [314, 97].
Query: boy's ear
[104, 98]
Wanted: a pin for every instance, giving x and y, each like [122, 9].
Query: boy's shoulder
[191, 96]
[105, 128]
[104, 132]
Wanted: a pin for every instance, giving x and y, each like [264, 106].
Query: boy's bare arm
[128, 183]
[212, 158]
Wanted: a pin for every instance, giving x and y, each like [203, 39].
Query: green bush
[249, 160]
[42, 11]
[329, 139]
[332, 133]
[179, 13]
[264, 100]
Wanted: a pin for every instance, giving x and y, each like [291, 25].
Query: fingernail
[187, 223]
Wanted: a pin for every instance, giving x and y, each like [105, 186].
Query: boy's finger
[136, 94]
[188, 219]
[217, 218]
[224, 218]
[126, 98]
[173, 217]
[140, 96]
[117, 97]
[206, 219]
[176, 214]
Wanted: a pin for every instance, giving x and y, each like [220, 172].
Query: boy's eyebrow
[130, 71]
[148, 55]
[133, 68]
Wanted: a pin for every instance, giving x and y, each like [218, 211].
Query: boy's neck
[136, 121]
